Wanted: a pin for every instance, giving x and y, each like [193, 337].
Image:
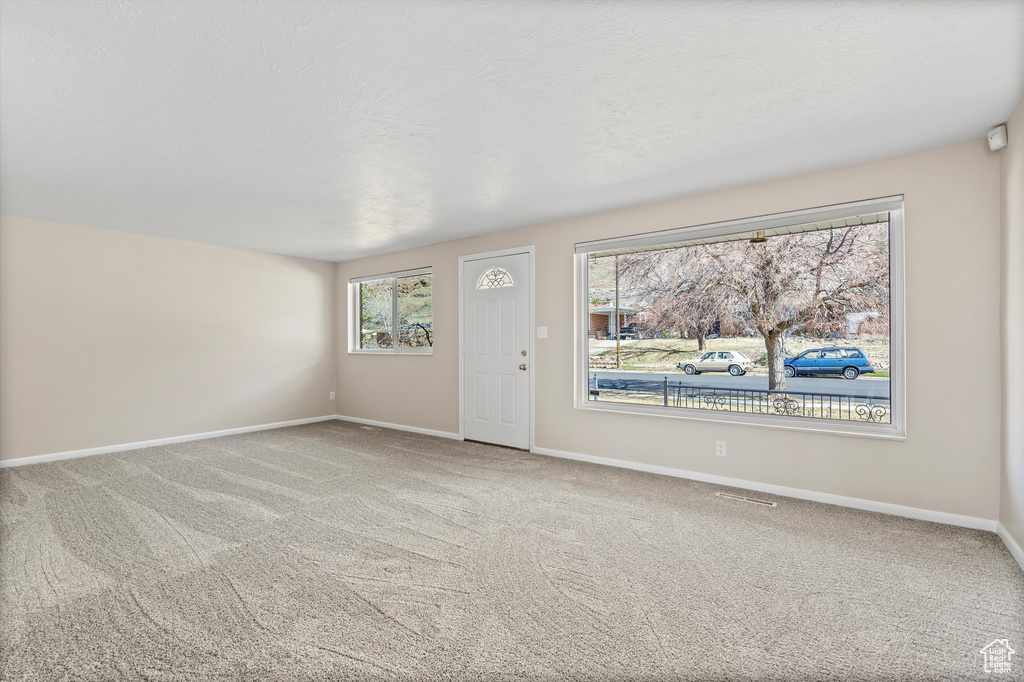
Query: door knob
[523, 366]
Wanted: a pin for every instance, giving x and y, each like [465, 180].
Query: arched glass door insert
[495, 278]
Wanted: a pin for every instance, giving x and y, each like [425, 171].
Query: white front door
[496, 300]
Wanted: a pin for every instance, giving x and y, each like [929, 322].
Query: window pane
[375, 314]
[415, 311]
[820, 295]
[495, 278]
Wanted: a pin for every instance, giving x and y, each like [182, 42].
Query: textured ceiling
[333, 130]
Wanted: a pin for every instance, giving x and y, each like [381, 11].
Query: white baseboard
[840, 500]
[1011, 544]
[399, 427]
[72, 454]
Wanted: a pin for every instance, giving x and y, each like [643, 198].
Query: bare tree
[800, 281]
[681, 288]
[375, 311]
[415, 310]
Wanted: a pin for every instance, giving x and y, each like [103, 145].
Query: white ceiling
[333, 130]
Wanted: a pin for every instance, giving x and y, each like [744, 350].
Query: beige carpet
[334, 551]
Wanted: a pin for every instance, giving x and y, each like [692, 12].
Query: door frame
[529, 251]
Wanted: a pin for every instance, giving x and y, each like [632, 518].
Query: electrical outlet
[720, 448]
[332, 395]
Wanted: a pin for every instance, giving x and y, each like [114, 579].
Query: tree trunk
[776, 358]
[700, 341]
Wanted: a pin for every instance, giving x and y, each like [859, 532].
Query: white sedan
[731, 361]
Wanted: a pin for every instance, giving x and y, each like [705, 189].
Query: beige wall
[950, 460]
[109, 338]
[1011, 512]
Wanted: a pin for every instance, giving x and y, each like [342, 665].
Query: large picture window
[392, 313]
[789, 320]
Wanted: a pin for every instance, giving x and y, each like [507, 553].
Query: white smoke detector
[997, 138]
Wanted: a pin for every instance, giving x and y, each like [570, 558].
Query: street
[653, 381]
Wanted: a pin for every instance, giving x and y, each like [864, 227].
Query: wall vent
[751, 500]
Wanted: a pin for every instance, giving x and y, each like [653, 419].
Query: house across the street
[602, 320]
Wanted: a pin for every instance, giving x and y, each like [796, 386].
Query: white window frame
[355, 315]
[897, 321]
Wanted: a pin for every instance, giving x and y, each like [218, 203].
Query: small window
[393, 313]
[708, 356]
[725, 356]
[495, 278]
[854, 354]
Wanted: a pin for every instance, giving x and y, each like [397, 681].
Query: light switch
[542, 332]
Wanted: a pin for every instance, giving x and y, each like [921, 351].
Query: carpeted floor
[333, 551]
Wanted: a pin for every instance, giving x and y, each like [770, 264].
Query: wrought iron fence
[860, 408]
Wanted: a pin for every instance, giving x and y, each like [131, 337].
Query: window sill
[391, 352]
[826, 426]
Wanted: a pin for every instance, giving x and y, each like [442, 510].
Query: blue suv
[850, 362]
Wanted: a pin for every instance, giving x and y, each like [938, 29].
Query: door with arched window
[496, 303]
